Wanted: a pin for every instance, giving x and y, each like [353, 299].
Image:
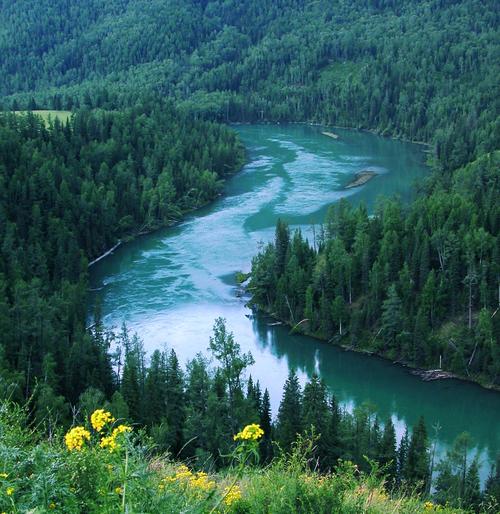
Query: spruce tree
[392, 316]
[403, 457]
[418, 461]
[315, 414]
[281, 243]
[387, 453]
[289, 421]
[175, 402]
[266, 446]
[332, 437]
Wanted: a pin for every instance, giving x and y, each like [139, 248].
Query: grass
[46, 115]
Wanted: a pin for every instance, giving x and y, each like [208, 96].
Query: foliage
[423, 70]
[41, 475]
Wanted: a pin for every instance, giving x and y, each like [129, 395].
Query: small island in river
[360, 178]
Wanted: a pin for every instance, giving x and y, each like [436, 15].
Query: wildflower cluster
[197, 482]
[432, 507]
[249, 433]
[100, 418]
[110, 441]
[232, 495]
[314, 479]
[76, 437]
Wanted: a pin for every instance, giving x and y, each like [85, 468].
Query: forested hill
[424, 70]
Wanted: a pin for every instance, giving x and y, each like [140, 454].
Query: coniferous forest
[150, 88]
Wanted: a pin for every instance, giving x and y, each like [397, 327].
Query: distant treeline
[423, 70]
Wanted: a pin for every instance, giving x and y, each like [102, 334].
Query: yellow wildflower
[100, 418]
[201, 482]
[233, 494]
[120, 429]
[118, 490]
[182, 474]
[52, 505]
[251, 432]
[76, 438]
[3, 475]
[428, 506]
[9, 491]
[110, 441]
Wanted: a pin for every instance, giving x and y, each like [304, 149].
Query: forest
[425, 71]
[417, 284]
[68, 192]
[152, 86]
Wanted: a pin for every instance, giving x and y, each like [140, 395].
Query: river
[169, 286]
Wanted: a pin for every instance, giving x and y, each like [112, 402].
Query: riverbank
[145, 231]
[424, 374]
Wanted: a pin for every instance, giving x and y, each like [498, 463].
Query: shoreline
[424, 374]
[105, 254]
[172, 223]
[376, 132]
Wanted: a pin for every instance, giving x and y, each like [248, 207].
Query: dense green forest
[68, 192]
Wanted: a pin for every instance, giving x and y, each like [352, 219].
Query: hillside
[397, 66]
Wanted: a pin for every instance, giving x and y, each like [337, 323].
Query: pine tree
[289, 421]
[332, 437]
[315, 414]
[175, 402]
[418, 461]
[391, 316]
[155, 396]
[198, 387]
[266, 447]
[403, 457]
[281, 243]
[387, 453]
[472, 493]
[133, 379]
